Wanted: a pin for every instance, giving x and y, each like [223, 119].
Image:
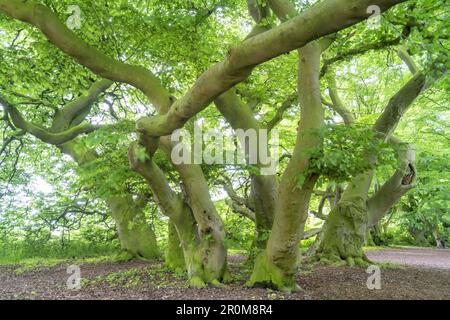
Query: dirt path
[140, 280]
[438, 259]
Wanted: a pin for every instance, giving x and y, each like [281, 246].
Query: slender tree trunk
[276, 266]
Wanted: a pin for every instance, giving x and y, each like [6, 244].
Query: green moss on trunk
[268, 275]
[185, 226]
[136, 236]
[344, 234]
[174, 252]
[138, 239]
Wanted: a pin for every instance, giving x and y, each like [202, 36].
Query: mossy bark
[136, 236]
[186, 228]
[345, 229]
[183, 223]
[268, 275]
[204, 252]
[174, 252]
[264, 193]
[210, 226]
[344, 233]
[276, 266]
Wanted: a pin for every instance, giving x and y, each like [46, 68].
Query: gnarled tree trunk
[345, 230]
[276, 266]
[136, 237]
[204, 256]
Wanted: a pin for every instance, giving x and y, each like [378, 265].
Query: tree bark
[395, 187]
[202, 242]
[137, 239]
[174, 252]
[345, 229]
[276, 266]
[210, 225]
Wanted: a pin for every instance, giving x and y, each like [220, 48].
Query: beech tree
[170, 60]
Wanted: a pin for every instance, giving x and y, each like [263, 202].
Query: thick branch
[283, 9]
[237, 113]
[337, 104]
[395, 187]
[66, 40]
[241, 59]
[399, 104]
[76, 111]
[240, 209]
[43, 134]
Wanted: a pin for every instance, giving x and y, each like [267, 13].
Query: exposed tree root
[268, 275]
[123, 256]
[334, 259]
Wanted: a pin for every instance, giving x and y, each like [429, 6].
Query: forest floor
[405, 274]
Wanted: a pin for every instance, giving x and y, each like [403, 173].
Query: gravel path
[438, 259]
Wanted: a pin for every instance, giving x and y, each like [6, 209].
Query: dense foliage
[51, 206]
